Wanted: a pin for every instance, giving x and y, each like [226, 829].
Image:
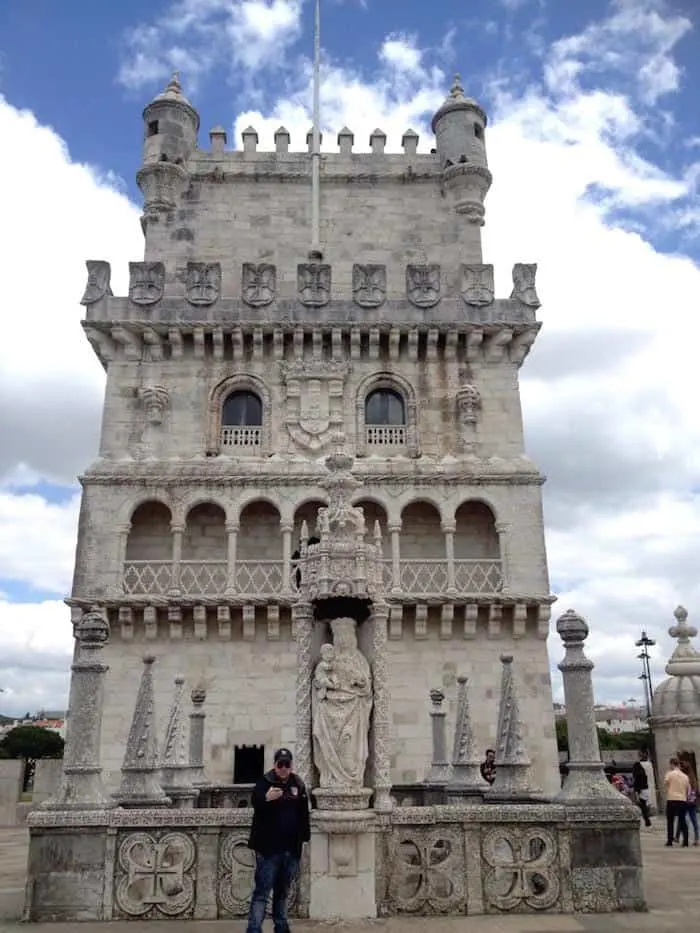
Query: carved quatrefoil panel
[426, 871]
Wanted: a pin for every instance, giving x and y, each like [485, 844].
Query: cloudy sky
[594, 144]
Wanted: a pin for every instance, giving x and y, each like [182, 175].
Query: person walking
[691, 809]
[677, 785]
[640, 785]
[281, 826]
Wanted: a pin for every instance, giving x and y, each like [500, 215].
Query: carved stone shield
[203, 282]
[314, 391]
[98, 282]
[259, 284]
[524, 290]
[146, 282]
[477, 285]
[369, 285]
[314, 283]
[423, 285]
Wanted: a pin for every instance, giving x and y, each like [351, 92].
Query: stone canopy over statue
[341, 708]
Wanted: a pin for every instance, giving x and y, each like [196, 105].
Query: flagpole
[316, 143]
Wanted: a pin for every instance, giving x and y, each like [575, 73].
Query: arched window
[241, 420]
[384, 406]
[242, 408]
[385, 409]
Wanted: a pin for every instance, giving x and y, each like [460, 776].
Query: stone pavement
[673, 895]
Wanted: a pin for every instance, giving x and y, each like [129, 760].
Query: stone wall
[429, 860]
[251, 693]
[11, 777]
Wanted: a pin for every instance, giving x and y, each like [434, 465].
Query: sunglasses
[284, 764]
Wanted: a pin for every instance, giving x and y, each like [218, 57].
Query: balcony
[417, 579]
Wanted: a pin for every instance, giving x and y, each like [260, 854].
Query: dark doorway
[248, 763]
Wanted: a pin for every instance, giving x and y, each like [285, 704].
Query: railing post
[177, 532]
[448, 529]
[232, 536]
[503, 529]
[122, 541]
[395, 532]
[287, 559]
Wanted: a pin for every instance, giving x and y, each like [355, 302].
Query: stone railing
[450, 860]
[263, 578]
[385, 435]
[241, 436]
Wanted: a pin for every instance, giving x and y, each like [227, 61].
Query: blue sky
[594, 143]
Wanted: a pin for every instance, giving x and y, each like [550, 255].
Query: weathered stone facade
[233, 362]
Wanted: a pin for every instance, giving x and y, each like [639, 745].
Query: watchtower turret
[459, 127]
[171, 125]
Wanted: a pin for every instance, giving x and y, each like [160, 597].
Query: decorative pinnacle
[93, 629]
[457, 89]
[572, 627]
[198, 696]
[682, 631]
[436, 698]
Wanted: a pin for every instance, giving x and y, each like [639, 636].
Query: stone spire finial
[465, 776]
[685, 660]
[457, 89]
[175, 762]
[440, 766]
[174, 84]
[512, 759]
[196, 749]
[140, 786]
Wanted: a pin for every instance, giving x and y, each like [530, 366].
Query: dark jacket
[265, 833]
[640, 781]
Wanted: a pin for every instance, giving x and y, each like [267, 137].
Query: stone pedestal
[343, 865]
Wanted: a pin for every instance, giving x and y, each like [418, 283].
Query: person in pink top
[677, 786]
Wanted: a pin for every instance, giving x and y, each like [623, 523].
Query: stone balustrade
[423, 578]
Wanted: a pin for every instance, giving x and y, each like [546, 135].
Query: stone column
[122, 541]
[232, 533]
[287, 558]
[382, 712]
[440, 765]
[448, 529]
[81, 786]
[395, 533]
[586, 779]
[197, 717]
[178, 531]
[303, 757]
[503, 529]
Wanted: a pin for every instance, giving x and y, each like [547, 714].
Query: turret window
[478, 131]
[385, 418]
[153, 128]
[242, 420]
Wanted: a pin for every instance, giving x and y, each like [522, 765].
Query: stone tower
[232, 365]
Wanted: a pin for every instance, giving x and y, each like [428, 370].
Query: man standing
[280, 828]
[488, 766]
[640, 785]
[677, 785]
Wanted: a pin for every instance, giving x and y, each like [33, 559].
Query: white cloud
[197, 36]
[400, 52]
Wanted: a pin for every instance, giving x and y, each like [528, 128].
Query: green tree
[32, 742]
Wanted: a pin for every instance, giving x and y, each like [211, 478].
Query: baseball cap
[283, 754]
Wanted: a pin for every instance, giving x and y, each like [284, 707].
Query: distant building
[616, 719]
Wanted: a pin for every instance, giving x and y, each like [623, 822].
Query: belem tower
[312, 484]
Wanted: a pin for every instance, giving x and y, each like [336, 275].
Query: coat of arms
[524, 274]
[369, 285]
[259, 284]
[477, 285]
[314, 283]
[203, 282]
[98, 283]
[314, 390]
[146, 282]
[423, 285]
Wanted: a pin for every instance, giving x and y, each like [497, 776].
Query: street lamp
[645, 643]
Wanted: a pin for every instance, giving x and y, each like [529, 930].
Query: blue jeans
[272, 873]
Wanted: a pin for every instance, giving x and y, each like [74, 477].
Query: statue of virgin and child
[341, 708]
